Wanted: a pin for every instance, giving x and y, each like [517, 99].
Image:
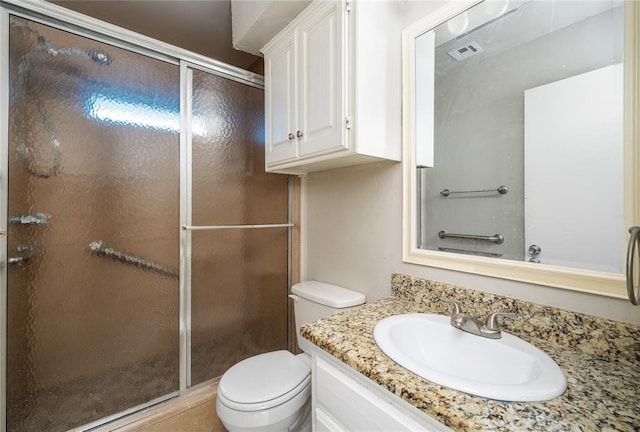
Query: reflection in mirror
[523, 159]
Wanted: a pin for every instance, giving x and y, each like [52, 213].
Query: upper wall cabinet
[333, 87]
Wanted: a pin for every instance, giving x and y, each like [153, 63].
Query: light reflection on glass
[120, 111]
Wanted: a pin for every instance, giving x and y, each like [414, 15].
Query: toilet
[272, 391]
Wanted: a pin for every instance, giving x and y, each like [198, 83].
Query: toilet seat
[264, 381]
[279, 418]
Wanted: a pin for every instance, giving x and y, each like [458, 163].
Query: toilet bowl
[267, 392]
[272, 392]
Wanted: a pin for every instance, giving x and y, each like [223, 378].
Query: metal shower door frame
[4, 207]
[186, 227]
[75, 23]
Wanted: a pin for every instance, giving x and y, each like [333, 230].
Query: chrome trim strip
[258, 82]
[186, 91]
[303, 228]
[4, 206]
[290, 311]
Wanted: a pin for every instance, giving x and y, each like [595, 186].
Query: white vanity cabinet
[333, 87]
[344, 400]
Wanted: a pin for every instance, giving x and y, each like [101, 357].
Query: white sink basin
[507, 369]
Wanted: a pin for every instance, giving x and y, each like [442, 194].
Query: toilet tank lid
[328, 294]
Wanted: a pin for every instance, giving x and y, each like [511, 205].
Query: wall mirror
[520, 140]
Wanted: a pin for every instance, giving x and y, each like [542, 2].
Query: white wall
[354, 236]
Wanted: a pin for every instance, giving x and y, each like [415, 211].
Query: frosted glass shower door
[93, 241]
[239, 277]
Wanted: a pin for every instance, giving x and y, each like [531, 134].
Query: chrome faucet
[489, 329]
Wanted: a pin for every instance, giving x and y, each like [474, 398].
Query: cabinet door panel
[280, 102]
[324, 422]
[353, 406]
[322, 83]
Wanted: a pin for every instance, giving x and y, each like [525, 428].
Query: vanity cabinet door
[342, 403]
[281, 94]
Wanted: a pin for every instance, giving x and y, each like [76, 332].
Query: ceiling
[527, 21]
[202, 26]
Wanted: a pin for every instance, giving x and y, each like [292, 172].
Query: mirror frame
[607, 284]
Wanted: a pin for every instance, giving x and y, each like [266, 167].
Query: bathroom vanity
[357, 387]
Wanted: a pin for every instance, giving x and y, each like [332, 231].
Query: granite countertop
[601, 359]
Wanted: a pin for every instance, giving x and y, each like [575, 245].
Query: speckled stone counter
[601, 359]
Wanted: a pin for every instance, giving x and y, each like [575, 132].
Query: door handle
[634, 243]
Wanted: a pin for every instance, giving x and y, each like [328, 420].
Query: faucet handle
[492, 320]
[456, 306]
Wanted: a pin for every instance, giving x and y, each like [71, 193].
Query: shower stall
[143, 249]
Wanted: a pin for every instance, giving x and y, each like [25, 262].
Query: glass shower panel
[93, 292]
[239, 298]
[239, 277]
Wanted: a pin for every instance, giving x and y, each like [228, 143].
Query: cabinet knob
[291, 136]
[299, 134]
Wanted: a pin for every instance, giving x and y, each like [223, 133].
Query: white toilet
[272, 391]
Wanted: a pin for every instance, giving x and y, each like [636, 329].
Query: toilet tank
[315, 300]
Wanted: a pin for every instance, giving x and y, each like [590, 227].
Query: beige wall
[354, 239]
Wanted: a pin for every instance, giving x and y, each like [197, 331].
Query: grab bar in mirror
[634, 243]
[502, 190]
[98, 247]
[496, 238]
[470, 252]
